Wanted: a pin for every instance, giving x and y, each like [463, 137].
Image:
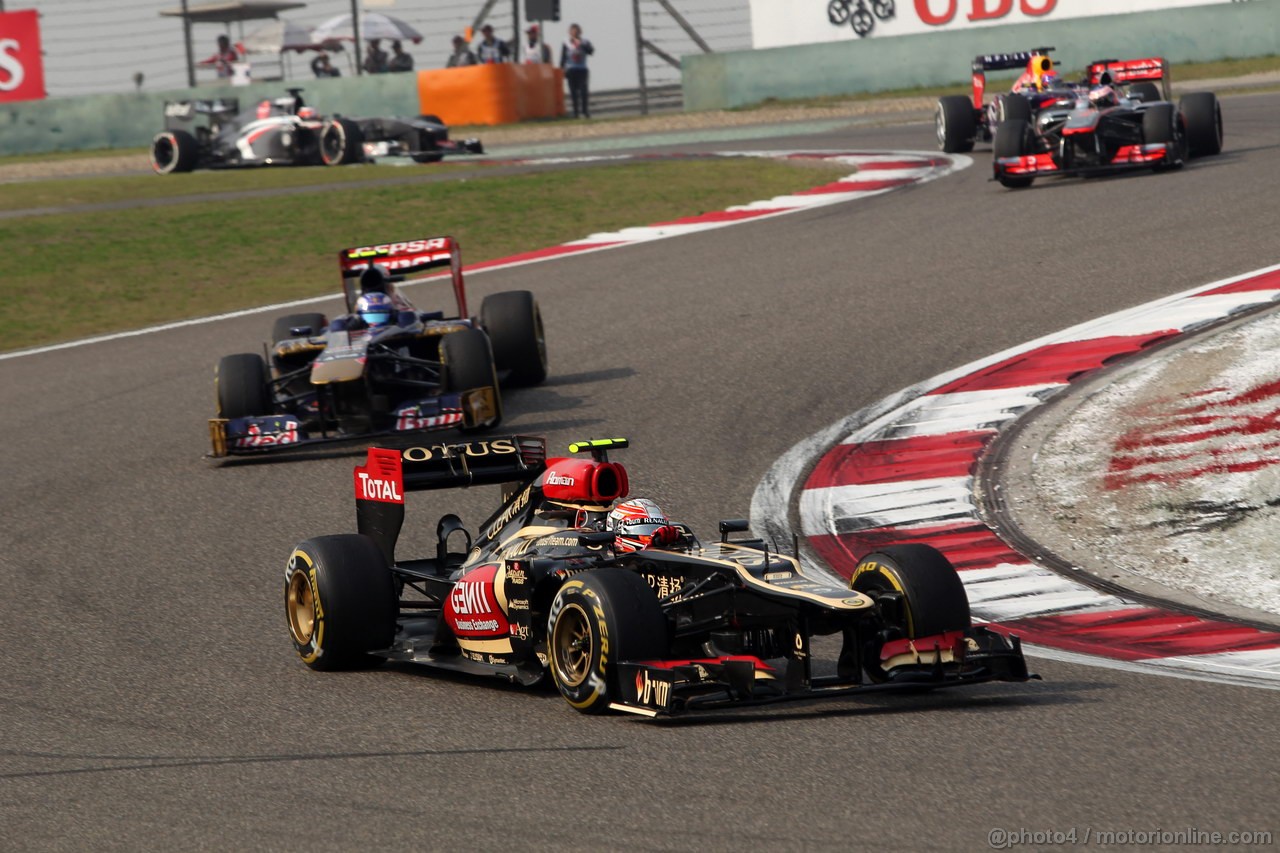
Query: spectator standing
[535, 49]
[573, 59]
[375, 61]
[399, 61]
[491, 49]
[224, 59]
[461, 55]
[321, 67]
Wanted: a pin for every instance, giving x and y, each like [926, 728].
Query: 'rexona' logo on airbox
[21, 67]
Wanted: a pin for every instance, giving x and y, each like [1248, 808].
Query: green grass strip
[138, 266]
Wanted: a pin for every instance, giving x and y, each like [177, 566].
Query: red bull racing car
[1119, 117]
[285, 131]
[384, 367]
[542, 590]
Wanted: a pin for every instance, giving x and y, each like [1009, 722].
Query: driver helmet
[1103, 96]
[1050, 80]
[635, 522]
[375, 309]
[306, 112]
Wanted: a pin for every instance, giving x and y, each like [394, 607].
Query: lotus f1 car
[285, 131]
[1118, 118]
[541, 591]
[346, 379]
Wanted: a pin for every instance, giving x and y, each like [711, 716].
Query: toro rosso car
[541, 591]
[285, 131]
[1117, 118]
[405, 372]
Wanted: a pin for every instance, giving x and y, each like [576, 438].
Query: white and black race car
[286, 132]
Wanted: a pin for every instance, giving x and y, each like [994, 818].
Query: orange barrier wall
[501, 93]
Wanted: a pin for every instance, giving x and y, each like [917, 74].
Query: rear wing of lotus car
[397, 261]
[388, 474]
[1123, 71]
[181, 115]
[982, 63]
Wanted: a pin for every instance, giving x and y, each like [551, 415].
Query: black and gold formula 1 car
[417, 371]
[541, 591]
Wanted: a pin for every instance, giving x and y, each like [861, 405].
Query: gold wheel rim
[302, 608]
[572, 645]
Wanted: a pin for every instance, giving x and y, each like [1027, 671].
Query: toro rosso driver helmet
[635, 522]
[376, 309]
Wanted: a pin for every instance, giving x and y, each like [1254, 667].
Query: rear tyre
[955, 124]
[514, 324]
[1202, 117]
[1160, 124]
[174, 151]
[597, 619]
[918, 593]
[340, 601]
[1012, 140]
[280, 330]
[1148, 92]
[341, 142]
[467, 364]
[242, 386]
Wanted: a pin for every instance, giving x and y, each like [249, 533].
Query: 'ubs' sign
[21, 64]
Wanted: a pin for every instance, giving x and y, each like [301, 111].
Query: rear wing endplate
[381, 483]
[400, 260]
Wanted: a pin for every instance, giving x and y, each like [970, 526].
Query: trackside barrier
[876, 64]
[500, 93]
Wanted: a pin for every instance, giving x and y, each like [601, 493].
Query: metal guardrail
[615, 102]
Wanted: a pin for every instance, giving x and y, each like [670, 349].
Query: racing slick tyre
[597, 619]
[955, 124]
[431, 117]
[341, 142]
[918, 593]
[1149, 93]
[427, 157]
[1160, 124]
[241, 385]
[340, 601]
[1202, 117]
[467, 363]
[514, 325]
[1012, 139]
[1014, 107]
[280, 329]
[174, 151]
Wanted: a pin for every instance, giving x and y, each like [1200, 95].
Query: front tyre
[1160, 125]
[598, 619]
[340, 601]
[242, 387]
[1012, 140]
[1202, 115]
[955, 124]
[467, 364]
[917, 592]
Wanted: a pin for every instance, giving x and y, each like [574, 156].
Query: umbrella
[280, 35]
[373, 25]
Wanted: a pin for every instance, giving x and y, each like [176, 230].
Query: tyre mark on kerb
[893, 169]
[168, 762]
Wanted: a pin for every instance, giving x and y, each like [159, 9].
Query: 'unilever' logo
[856, 14]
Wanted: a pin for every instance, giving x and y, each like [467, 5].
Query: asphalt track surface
[151, 700]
